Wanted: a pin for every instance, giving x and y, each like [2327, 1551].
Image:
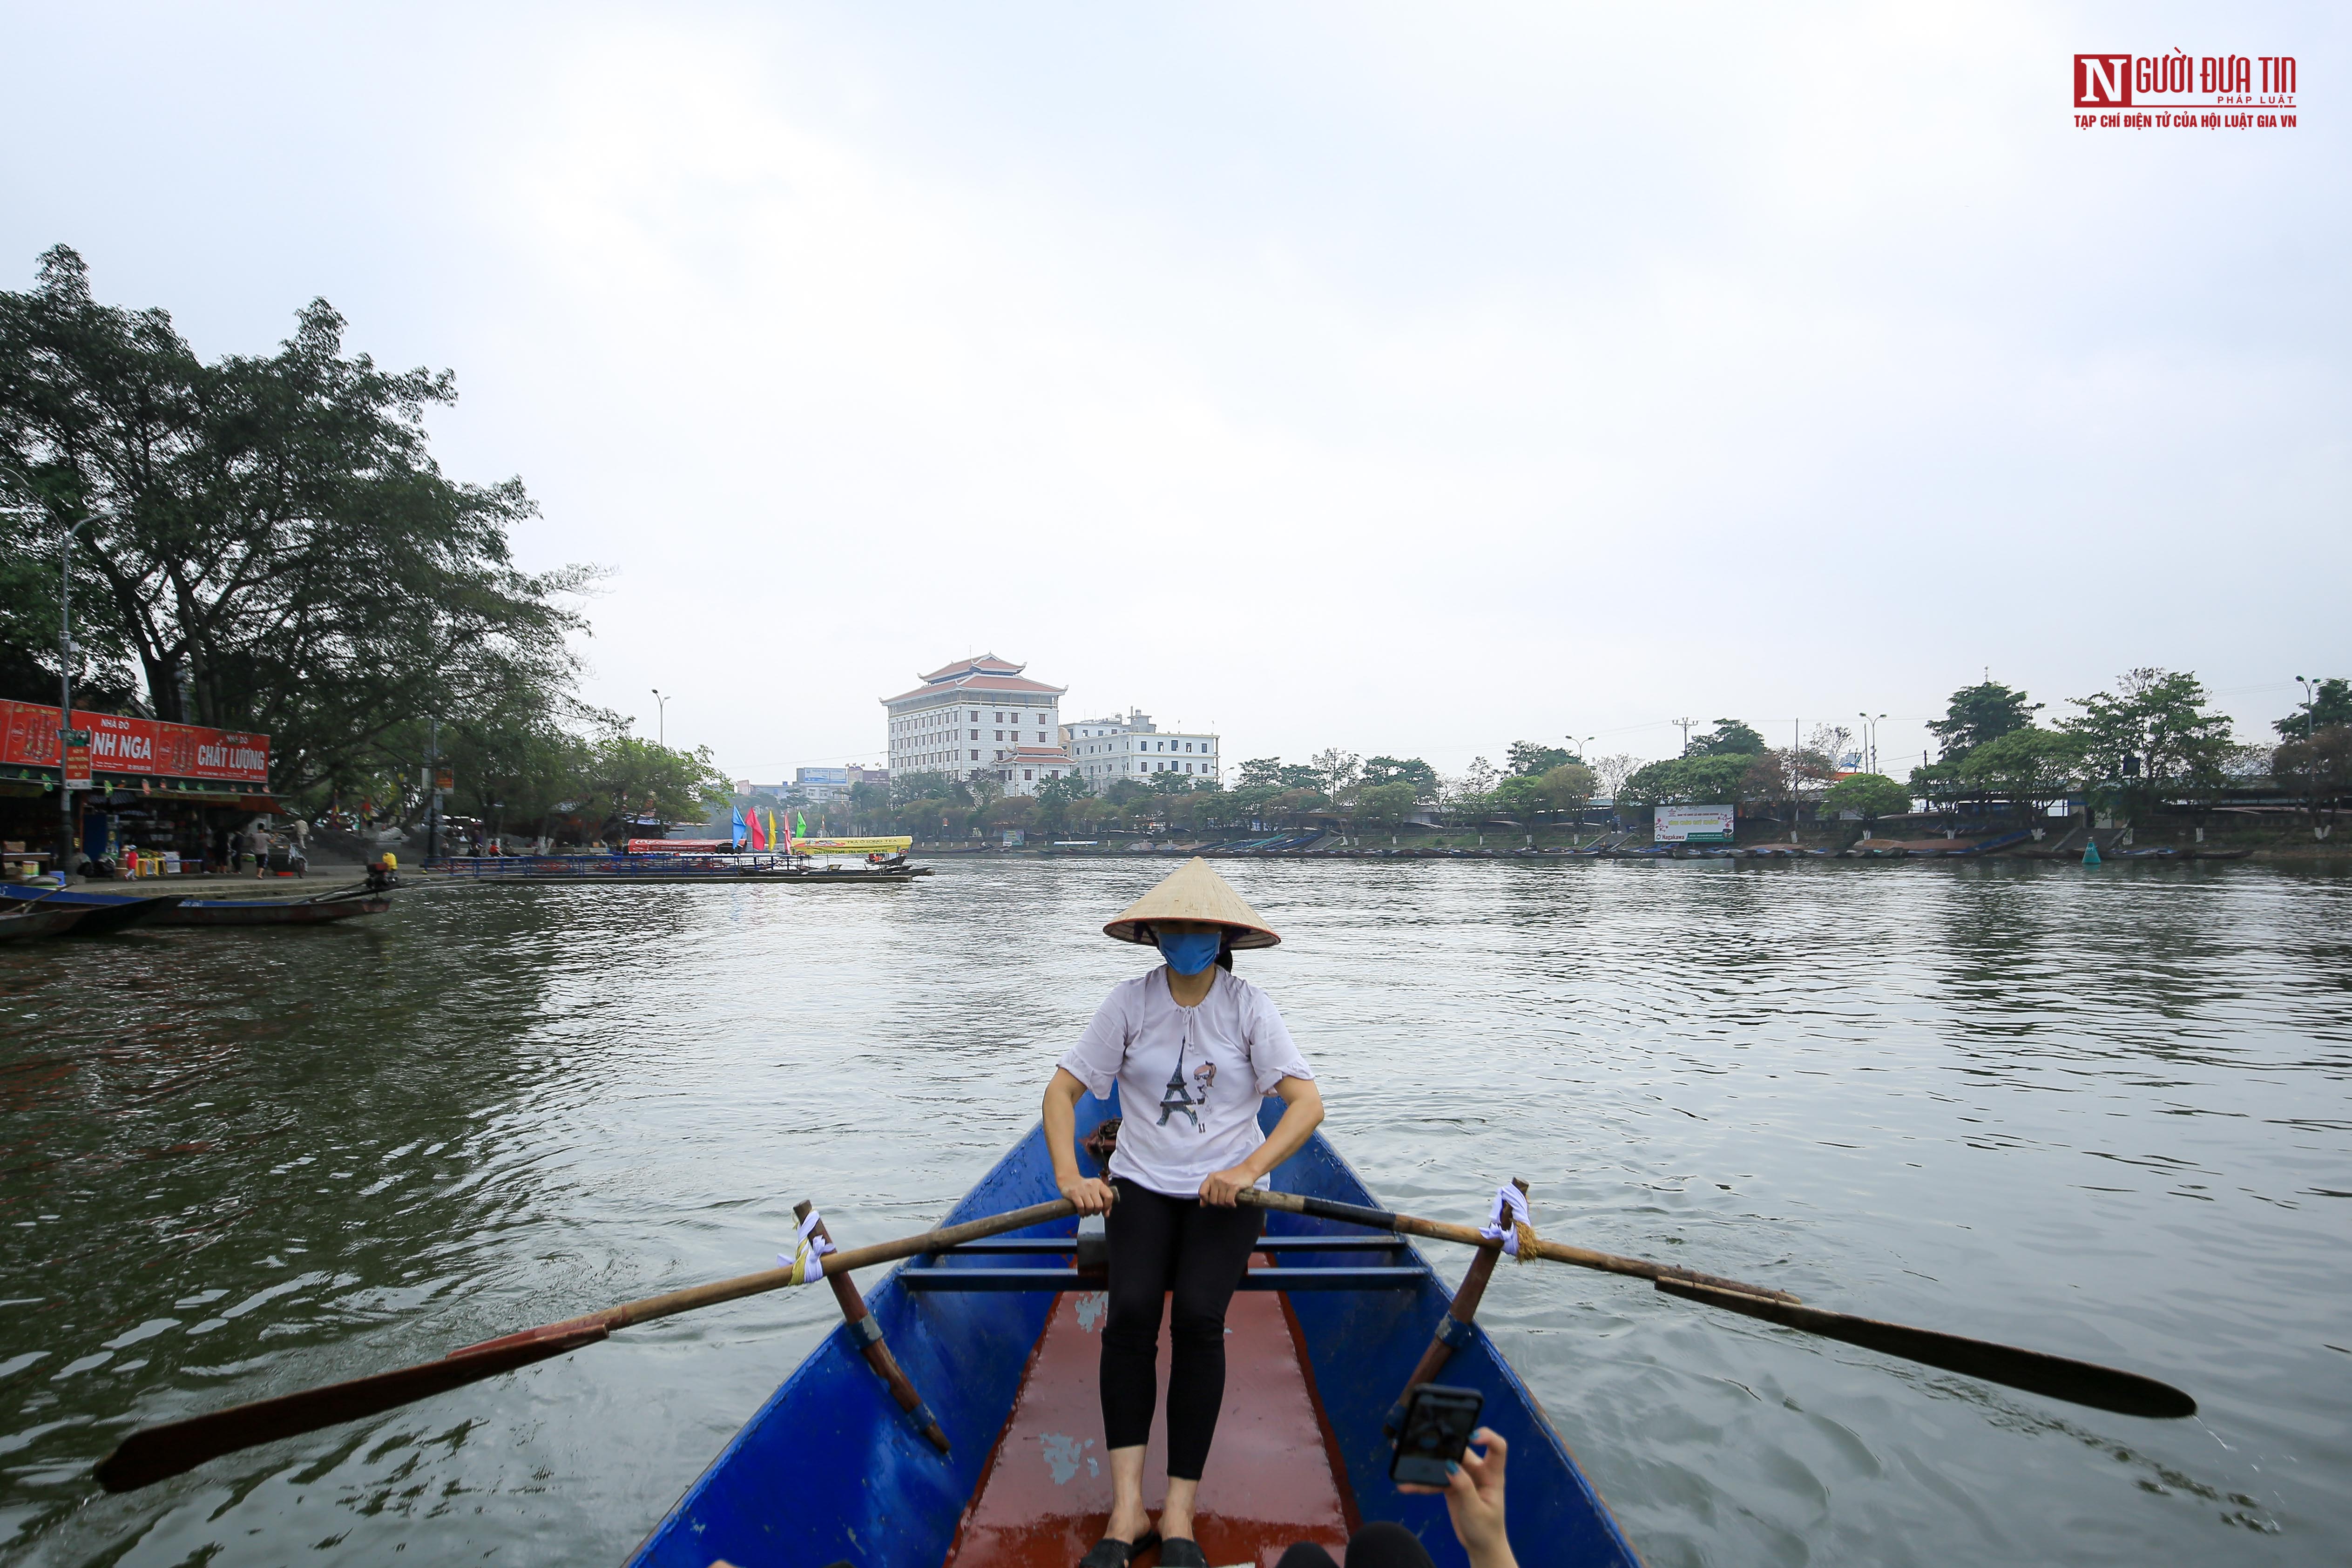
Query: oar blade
[156, 1453]
[2056, 1377]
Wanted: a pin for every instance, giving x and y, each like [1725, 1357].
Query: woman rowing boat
[1193, 1050]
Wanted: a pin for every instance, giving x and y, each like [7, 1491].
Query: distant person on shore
[1204, 1049]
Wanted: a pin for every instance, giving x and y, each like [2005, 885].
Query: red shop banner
[28, 737]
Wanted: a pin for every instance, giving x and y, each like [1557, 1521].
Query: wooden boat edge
[833, 1367]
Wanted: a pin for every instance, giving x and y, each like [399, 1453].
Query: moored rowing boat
[112, 912]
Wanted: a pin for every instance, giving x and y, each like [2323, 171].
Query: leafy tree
[2030, 768]
[2319, 769]
[1521, 795]
[1409, 771]
[1612, 773]
[1730, 738]
[270, 543]
[1871, 795]
[1088, 816]
[1695, 780]
[1013, 811]
[1293, 803]
[1533, 759]
[1781, 777]
[1335, 771]
[1479, 777]
[1568, 786]
[2149, 738]
[1260, 773]
[624, 777]
[1979, 714]
[2332, 704]
[926, 787]
[1386, 804]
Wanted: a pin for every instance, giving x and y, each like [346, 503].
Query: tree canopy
[1730, 738]
[1697, 779]
[2029, 767]
[1979, 714]
[1533, 759]
[269, 544]
[2330, 704]
[2150, 737]
[1868, 795]
[1408, 771]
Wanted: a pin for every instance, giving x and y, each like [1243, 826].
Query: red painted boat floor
[1271, 1478]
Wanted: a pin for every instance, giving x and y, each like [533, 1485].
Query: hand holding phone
[1438, 1422]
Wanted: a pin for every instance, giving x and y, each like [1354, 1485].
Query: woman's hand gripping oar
[153, 1453]
[2058, 1377]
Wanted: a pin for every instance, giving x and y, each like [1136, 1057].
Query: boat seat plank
[1061, 1245]
[1269, 1278]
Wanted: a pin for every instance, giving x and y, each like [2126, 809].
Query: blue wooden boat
[97, 914]
[110, 911]
[1000, 1339]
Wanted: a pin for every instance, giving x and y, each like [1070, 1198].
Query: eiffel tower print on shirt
[1173, 1098]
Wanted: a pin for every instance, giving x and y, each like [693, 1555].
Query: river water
[2103, 1113]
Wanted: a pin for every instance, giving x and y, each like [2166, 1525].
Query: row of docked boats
[806, 860]
[29, 910]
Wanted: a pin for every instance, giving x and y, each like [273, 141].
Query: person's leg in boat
[1142, 1229]
[1213, 1251]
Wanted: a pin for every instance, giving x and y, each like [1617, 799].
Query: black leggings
[1378, 1545]
[1158, 1244]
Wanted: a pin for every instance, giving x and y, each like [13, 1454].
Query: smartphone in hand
[1438, 1422]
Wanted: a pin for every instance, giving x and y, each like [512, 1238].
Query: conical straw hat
[1193, 892]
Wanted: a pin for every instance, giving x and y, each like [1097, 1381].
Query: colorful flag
[759, 837]
[775, 839]
[802, 818]
[737, 841]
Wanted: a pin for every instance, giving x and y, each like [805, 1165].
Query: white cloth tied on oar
[807, 1259]
[1511, 1206]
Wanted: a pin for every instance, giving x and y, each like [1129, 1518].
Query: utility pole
[1685, 724]
[66, 651]
[433, 781]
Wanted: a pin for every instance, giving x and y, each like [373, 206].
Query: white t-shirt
[1189, 1078]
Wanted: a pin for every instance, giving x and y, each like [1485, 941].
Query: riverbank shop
[162, 799]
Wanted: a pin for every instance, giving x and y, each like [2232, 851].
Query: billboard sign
[28, 737]
[1693, 825]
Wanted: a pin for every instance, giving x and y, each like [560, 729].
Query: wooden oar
[1452, 1329]
[868, 1335]
[153, 1453]
[1381, 1219]
[2057, 1377]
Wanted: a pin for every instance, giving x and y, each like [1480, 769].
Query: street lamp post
[2310, 709]
[661, 718]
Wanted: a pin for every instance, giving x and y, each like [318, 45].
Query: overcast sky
[1413, 379]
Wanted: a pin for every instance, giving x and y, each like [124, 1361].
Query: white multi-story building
[980, 717]
[1115, 747]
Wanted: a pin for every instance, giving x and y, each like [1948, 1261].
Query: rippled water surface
[2103, 1113]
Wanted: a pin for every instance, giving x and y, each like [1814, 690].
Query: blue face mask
[1189, 953]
